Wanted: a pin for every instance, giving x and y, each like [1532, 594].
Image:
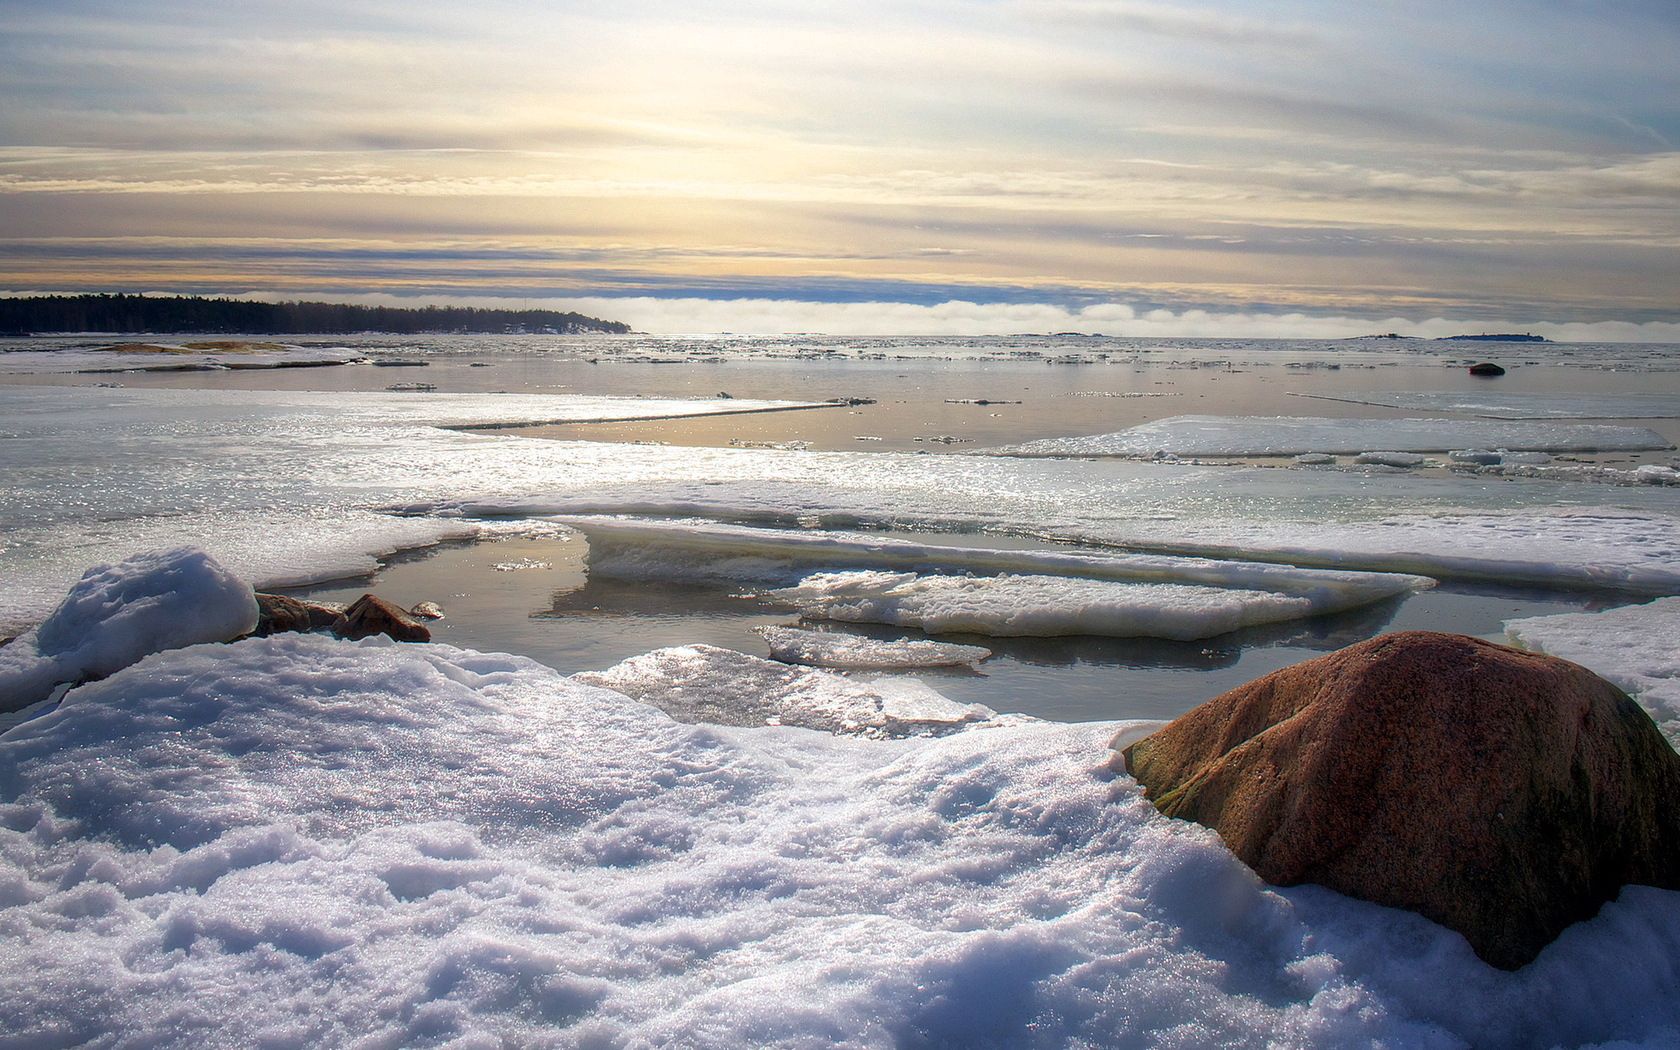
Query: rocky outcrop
[1502, 794]
[277, 614]
[368, 616]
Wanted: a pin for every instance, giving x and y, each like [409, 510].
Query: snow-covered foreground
[297, 841]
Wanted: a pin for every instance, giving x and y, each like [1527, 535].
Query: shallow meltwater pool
[536, 597]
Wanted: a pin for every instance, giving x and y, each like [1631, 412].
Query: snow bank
[1293, 435]
[688, 550]
[795, 645]
[1633, 646]
[704, 683]
[118, 613]
[299, 841]
[1039, 606]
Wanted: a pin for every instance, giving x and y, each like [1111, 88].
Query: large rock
[368, 616]
[1502, 794]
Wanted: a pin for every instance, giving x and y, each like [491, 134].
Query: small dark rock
[277, 614]
[1501, 793]
[1486, 368]
[368, 616]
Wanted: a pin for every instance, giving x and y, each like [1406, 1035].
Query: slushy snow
[1633, 646]
[798, 645]
[1519, 406]
[117, 614]
[1294, 435]
[705, 683]
[1038, 606]
[302, 841]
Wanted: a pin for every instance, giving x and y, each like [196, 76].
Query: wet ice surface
[1290, 436]
[299, 841]
[1502, 405]
[795, 645]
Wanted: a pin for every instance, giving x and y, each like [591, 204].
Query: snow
[303, 841]
[1632, 646]
[1039, 606]
[1519, 405]
[705, 683]
[117, 614]
[797, 645]
[1293, 435]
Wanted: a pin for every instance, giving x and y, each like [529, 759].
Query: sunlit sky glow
[1297, 168]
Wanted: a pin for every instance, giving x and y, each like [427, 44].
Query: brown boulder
[277, 613]
[1501, 793]
[368, 616]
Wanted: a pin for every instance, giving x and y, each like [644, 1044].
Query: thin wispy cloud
[1304, 157]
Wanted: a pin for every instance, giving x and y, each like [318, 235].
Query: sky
[1298, 168]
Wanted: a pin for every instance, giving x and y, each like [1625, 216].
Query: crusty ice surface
[299, 841]
[1512, 405]
[799, 645]
[118, 613]
[1294, 435]
[1014, 605]
[706, 683]
[1636, 646]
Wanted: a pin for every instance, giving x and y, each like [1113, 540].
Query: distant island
[1498, 337]
[159, 314]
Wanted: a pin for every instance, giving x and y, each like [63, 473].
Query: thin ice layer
[1039, 606]
[118, 613]
[299, 841]
[688, 550]
[797, 645]
[1294, 435]
[705, 683]
[1506, 405]
[1633, 646]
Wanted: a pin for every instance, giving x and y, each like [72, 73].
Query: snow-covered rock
[117, 614]
[797, 645]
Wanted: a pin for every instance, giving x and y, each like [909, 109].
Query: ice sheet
[283, 487]
[797, 645]
[690, 550]
[1506, 405]
[118, 613]
[704, 683]
[1014, 605]
[1294, 435]
[298, 841]
[1633, 646]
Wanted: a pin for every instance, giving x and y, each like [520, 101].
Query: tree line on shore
[196, 314]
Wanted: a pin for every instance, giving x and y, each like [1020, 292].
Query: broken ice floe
[1015, 605]
[1294, 435]
[1632, 646]
[797, 645]
[1004, 591]
[704, 683]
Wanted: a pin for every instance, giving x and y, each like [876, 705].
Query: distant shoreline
[195, 315]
